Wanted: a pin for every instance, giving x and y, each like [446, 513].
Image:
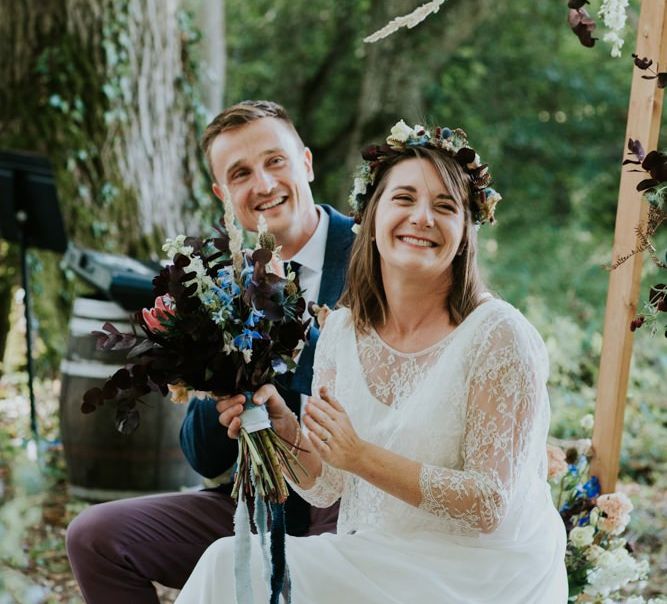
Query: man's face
[267, 171]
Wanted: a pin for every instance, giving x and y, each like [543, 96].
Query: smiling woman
[420, 203]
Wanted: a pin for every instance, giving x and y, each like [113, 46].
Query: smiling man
[117, 549]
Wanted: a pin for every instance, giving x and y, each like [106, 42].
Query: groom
[117, 549]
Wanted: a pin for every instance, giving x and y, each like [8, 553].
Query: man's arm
[204, 440]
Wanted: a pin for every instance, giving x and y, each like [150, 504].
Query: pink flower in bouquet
[556, 462]
[616, 508]
[162, 311]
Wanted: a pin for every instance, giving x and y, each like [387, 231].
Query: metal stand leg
[25, 281]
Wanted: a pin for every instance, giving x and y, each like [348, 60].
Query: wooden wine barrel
[102, 463]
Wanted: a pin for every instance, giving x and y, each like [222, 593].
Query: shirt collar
[311, 255]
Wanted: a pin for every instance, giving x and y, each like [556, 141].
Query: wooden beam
[644, 113]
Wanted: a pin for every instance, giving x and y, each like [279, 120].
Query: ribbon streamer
[280, 575]
[242, 578]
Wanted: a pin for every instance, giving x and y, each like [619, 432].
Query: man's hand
[282, 419]
[331, 433]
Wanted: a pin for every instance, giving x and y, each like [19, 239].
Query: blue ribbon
[280, 582]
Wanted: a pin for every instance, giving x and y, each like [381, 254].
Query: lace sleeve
[506, 394]
[328, 485]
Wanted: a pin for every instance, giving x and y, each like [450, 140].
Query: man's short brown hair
[238, 115]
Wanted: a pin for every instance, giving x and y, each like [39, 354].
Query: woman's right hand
[283, 420]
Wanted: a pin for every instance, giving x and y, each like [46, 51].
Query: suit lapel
[336, 257]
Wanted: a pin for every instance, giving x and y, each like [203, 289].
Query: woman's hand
[331, 433]
[282, 418]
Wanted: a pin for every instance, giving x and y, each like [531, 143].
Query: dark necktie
[297, 511]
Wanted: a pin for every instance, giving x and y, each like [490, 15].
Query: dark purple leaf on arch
[635, 147]
[582, 25]
[642, 62]
[658, 297]
[647, 184]
[656, 164]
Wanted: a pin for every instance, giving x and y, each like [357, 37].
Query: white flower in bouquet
[582, 536]
[175, 246]
[235, 234]
[613, 570]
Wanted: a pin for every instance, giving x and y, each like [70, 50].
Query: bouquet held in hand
[224, 321]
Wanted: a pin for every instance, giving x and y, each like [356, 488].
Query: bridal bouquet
[599, 561]
[225, 322]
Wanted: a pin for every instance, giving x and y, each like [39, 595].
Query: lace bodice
[472, 409]
[390, 375]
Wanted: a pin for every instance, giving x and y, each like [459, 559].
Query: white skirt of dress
[370, 567]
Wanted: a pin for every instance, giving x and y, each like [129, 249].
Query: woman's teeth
[419, 242]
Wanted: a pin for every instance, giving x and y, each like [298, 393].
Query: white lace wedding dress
[473, 409]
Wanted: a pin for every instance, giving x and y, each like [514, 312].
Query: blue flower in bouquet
[223, 296]
[254, 317]
[247, 274]
[244, 340]
[227, 282]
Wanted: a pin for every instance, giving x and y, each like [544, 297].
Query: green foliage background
[547, 114]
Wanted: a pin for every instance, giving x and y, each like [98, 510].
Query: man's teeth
[415, 241]
[271, 204]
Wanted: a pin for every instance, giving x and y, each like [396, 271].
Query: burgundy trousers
[116, 549]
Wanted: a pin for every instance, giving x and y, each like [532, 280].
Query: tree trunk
[400, 68]
[213, 55]
[106, 89]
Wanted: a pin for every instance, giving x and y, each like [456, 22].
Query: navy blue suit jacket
[204, 441]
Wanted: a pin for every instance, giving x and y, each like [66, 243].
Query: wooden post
[644, 114]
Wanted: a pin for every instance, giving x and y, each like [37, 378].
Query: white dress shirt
[311, 259]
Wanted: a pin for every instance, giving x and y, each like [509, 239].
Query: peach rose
[556, 462]
[615, 508]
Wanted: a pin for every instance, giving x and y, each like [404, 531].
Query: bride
[431, 415]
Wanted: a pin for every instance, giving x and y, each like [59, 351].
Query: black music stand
[29, 216]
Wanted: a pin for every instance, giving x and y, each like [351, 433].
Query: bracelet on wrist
[295, 447]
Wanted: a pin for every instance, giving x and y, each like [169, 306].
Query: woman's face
[419, 225]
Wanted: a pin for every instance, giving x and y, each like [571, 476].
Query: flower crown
[453, 142]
